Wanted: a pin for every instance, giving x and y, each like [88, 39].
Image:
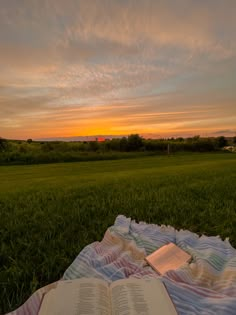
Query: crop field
[49, 213]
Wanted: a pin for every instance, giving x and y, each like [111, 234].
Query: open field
[48, 213]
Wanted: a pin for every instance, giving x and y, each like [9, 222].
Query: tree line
[33, 152]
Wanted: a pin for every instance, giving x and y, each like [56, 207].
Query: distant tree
[115, 144]
[221, 141]
[29, 140]
[196, 138]
[93, 146]
[135, 142]
[234, 140]
[23, 148]
[47, 146]
[123, 144]
[3, 145]
[189, 140]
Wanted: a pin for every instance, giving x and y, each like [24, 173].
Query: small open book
[90, 296]
[168, 257]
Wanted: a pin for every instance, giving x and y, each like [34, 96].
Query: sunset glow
[106, 67]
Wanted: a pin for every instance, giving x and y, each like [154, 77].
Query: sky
[116, 67]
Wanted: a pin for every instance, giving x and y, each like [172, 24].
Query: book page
[168, 257]
[140, 297]
[77, 297]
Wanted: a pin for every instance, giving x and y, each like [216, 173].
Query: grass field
[48, 213]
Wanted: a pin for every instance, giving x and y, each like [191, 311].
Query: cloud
[225, 131]
[86, 29]
[81, 62]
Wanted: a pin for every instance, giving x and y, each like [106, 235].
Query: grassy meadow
[48, 213]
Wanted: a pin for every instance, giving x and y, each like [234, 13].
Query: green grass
[48, 213]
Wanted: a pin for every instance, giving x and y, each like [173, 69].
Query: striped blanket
[205, 286]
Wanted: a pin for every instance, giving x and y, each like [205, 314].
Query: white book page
[140, 297]
[168, 257]
[77, 297]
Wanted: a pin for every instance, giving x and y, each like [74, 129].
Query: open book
[90, 296]
[168, 257]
